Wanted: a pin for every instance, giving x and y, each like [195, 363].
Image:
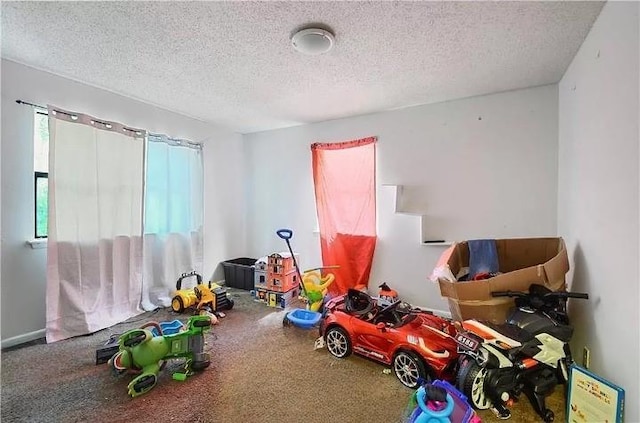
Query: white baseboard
[21, 339]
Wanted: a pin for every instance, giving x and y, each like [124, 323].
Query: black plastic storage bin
[238, 273]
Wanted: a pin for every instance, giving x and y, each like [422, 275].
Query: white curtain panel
[94, 264]
[174, 210]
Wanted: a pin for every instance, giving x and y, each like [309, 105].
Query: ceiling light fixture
[313, 41]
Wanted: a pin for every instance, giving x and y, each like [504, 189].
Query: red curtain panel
[345, 188]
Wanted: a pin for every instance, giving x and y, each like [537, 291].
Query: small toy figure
[386, 295]
[144, 354]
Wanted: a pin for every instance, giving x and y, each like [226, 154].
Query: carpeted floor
[260, 372]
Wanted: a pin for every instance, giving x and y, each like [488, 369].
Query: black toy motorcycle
[530, 353]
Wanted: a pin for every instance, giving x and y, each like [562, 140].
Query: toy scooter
[314, 288]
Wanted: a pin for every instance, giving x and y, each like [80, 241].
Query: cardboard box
[495, 310]
[522, 261]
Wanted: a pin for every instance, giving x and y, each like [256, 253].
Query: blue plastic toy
[441, 402]
[429, 411]
[302, 318]
[168, 328]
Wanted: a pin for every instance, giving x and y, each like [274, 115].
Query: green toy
[141, 352]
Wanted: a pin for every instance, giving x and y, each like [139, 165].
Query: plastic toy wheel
[177, 305]
[409, 369]
[338, 342]
[285, 321]
[231, 303]
[202, 323]
[548, 416]
[144, 384]
[471, 382]
[135, 340]
[200, 365]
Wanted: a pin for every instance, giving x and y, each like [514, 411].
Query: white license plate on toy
[467, 342]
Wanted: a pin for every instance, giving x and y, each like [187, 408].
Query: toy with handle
[316, 286]
[287, 234]
[440, 402]
[430, 413]
[300, 317]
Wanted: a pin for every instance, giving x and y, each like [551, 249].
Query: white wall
[478, 167]
[598, 195]
[23, 268]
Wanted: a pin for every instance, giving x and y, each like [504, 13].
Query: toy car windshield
[396, 314]
[358, 303]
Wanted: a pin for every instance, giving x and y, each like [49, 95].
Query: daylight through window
[41, 171]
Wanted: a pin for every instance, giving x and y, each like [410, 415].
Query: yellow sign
[592, 398]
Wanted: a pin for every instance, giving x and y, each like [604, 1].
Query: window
[41, 172]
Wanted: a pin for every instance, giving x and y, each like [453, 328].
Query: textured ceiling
[231, 63]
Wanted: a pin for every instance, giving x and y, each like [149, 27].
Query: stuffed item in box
[483, 258]
[442, 270]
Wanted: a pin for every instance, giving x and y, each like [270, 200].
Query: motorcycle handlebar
[548, 294]
[508, 294]
[578, 295]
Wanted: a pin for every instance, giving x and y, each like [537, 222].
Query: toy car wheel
[144, 384]
[548, 416]
[135, 340]
[177, 305]
[409, 369]
[231, 303]
[471, 382]
[200, 365]
[201, 323]
[285, 321]
[338, 342]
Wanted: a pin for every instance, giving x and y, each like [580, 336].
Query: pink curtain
[344, 180]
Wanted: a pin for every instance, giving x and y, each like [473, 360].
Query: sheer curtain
[94, 250]
[173, 216]
[344, 180]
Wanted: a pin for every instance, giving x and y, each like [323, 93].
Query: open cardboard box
[522, 261]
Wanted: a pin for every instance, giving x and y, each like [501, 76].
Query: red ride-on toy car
[416, 344]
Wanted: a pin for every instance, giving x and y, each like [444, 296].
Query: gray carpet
[260, 372]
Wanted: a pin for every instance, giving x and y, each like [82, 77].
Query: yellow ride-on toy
[211, 297]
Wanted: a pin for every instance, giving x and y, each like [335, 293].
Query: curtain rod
[177, 140]
[72, 115]
[75, 116]
[30, 104]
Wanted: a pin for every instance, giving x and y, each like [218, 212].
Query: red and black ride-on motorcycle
[530, 353]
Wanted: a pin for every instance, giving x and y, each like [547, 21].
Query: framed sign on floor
[592, 398]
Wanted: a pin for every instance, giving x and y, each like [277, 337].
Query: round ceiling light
[313, 41]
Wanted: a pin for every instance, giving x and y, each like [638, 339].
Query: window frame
[37, 176]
